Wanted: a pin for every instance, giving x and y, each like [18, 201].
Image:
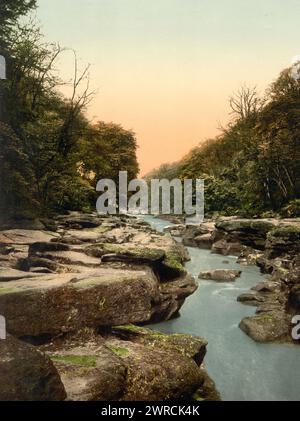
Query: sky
[166, 68]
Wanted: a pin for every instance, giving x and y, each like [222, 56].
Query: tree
[245, 102]
[10, 12]
[106, 150]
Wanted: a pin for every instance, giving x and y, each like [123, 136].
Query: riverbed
[241, 368]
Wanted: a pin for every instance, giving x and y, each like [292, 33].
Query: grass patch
[120, 352]
[80, 360]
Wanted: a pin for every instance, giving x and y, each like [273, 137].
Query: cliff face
[64, 290]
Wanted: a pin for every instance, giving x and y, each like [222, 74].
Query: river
[241, 368]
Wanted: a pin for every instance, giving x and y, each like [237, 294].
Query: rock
[265, 265]
[249, 256]
[130, 363]
[227, 248]
[269, 307]
[188, 345]
[236, 233]
[41, 270]
[54, 304]
[81, 236]
[159, 367]
[175, 230]
[208, 390]
[82, 222]
[70, 258]
[127, 253]
[251, 298]
[89, 370]
[33, 262]
[59, 303]
[23, 223]
[268, 327]
[7, 274]
[294, 298]
[198, 235]
[267, 286]
[172, 265]
[171, 218]
[221, 275]
[283, 240]
[26, 237]
[204, 241]
[27, 374]
[172, 297]
[42, 247]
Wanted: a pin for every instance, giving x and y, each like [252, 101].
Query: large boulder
[175, 230]
[89, 370]
[159, 367]
[199, 235]
[226, 247]
[56, 303]
[131, 363]
[231, 235]
[268, 327]
[26, 374]
[294, 298]
[283, 241]
[220, 275]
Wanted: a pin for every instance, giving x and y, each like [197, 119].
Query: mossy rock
[78, 360]
[245, 225]
[289, 232]
[172, 265]
[120, 252]
[118, 351]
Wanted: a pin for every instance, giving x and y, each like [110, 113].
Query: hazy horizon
[166, 68]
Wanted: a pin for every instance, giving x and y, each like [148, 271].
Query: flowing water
[241, 368]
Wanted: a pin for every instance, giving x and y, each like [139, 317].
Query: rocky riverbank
[273, 245]
[63, 290]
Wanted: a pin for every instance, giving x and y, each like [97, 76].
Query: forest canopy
[50, 153]
[253, 167]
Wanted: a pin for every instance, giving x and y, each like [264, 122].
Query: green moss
[265, 318]
[285, 232]
[142, 253]
[157, 335]
[4, 291]
[80, 360]
[120, 352]
[173, 260]
[130, 328]
[111, 248]
[197, 397]
[103, 230]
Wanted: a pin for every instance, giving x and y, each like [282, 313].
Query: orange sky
[166, 68]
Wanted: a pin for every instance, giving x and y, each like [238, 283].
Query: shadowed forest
[52, 155]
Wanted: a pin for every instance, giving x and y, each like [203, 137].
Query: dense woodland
[51, 155]
[253, 167]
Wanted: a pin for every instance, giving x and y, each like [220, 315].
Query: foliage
[48, 148]
[253, 167]
[292, 210]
